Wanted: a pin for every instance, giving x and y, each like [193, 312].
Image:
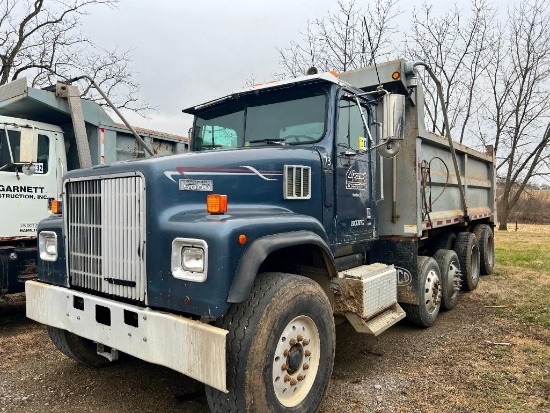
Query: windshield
[9, 151]
[269, 118]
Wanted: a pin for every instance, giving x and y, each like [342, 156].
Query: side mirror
[393, 107]
[28, 146]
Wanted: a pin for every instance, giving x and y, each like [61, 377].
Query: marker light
[395, 75]
[216, 204]
[55, 206]
[242, 239]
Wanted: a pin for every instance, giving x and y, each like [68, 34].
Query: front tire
[77, 348]
[280, 348]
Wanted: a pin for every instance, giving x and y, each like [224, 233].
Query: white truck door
[24, 198]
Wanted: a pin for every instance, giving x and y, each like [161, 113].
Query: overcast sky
[187, 52]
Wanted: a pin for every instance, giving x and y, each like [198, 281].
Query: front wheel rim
[296, 361]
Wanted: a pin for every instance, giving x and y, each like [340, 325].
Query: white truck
[39, 142]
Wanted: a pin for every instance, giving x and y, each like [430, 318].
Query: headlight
[47, 245]
[190, 259]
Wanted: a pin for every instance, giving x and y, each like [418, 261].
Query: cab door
[24, 198]
[354, 167]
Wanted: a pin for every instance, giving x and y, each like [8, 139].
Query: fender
[258, 251]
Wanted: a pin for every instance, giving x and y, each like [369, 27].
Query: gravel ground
[469, 361]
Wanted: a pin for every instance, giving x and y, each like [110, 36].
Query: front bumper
[190, 347]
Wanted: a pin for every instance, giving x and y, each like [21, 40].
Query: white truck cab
[27, 184]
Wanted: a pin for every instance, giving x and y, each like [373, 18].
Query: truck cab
[23, 194]
[316, 114]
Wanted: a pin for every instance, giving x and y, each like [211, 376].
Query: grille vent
[297, 182]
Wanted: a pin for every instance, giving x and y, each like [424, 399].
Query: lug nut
[300, 377]
[284, 367]
[300, 337]
[307, 353]
[305, 366]
[305, 342]
[293, 382]
[287, 378]
[286, 353]
[292, 341]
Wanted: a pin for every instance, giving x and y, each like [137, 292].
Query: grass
[521, 281]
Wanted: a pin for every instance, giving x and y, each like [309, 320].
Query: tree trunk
[503, 224]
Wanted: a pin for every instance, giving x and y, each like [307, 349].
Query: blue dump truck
[302, 203]
[43, 134]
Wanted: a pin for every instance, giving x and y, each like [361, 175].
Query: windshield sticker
[356, 181]
[189, 171]
[194, 185]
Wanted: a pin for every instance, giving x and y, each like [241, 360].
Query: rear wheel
[444, 241]
[429, 294]
[78, 348]
[280, 348]
[484, 235]
[449, 266]
[467, 250]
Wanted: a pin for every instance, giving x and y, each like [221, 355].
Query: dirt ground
[471, 360]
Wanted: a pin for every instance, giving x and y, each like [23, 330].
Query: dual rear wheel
[456, 264]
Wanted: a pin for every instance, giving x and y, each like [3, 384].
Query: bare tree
[520, 107]
[43, 42]
[340, 42]
[458, 49]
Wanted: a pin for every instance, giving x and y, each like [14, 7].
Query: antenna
[371, 50]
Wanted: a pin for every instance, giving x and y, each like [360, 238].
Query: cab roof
[319, 77]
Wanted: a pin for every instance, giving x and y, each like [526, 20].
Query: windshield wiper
[277, 141]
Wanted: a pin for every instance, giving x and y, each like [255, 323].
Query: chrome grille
[105, 227]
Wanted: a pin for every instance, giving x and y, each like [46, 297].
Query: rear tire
[449, 266]
[280, 348]
[77, 348]
[444, 241]
[429, 294]
[467, 249]
[485, 238]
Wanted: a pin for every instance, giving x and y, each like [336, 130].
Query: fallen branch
[496, 306]
[497, 344]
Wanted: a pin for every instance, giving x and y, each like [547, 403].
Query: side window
[351, 130]
[9, 151]
[218, 132]
[43, 156]
[218, 137]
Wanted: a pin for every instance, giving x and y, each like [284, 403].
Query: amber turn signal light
[216, 204]
[55, 206]
[395, 75]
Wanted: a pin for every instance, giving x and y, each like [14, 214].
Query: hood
[251, 178]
